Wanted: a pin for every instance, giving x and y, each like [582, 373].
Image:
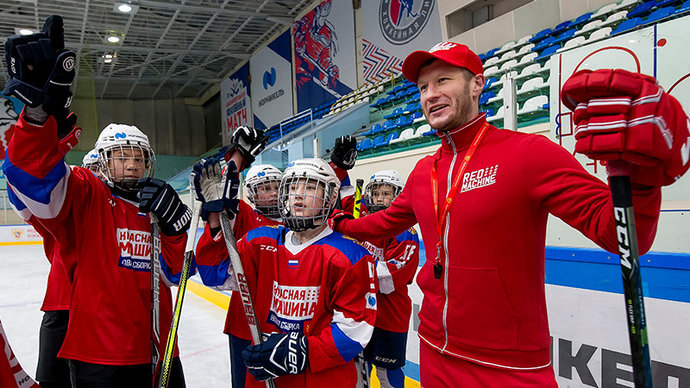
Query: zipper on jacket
[445, 242]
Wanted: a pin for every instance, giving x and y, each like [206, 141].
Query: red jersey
[489, 305]
[212, 254]
[397, 260]
[59, 285]
[325, 288]
[105, 239]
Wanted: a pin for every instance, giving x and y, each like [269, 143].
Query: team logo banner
[324, 54]
[271, 70]
[391, 29]
[235, 102]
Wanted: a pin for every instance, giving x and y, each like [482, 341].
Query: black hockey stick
[360, 362]
[236, 262]
[164, 375]
[621, 196]
[155, 269]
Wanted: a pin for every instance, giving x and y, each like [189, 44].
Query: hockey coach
[482, 202]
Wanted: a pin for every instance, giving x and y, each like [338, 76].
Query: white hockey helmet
[380, 178]
[307, 172]
[256, 177]
[90, 159]
[123, 137]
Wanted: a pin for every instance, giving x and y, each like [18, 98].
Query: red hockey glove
[336, 217]
[628, 116]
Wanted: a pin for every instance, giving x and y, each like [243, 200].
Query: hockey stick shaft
[357, 210]
[155, 270]
[626, 234]
[164, 376]
[362, 364]
[236, 262]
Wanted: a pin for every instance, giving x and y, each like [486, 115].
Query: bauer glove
[158, 197]
[40, 69]
[249, 142]
[626, 116]
[344, 152]
[280, 354]
[215, 189]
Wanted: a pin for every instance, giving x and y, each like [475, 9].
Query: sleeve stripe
[17, 205]
[44, 197]
[356, 331]
[347, 348]
[214, 275]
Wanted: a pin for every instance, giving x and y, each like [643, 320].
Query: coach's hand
[627, 116]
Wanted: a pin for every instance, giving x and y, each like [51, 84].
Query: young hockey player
[314, 291]
[90, 162]
[397, 259]
[102, 228]
[262, 184]
[483, 199]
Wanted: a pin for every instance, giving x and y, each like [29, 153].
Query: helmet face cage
[269, 208]
[117, 159]
[373, 187]
[306, 201]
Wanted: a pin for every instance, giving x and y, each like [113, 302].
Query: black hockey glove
[158, 197]
[281, 354]
[215, 190]
[40, 69]
[249, 142]
[344, 152]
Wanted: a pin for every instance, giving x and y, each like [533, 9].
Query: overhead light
[125, 8]
[24, 31]
[108, 57]
[113, 39]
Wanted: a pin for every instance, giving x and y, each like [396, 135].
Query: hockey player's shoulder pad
[351, 248]
[270, 231]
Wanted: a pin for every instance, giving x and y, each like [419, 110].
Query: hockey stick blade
[632, 280]
[164, 376]
[236, 262]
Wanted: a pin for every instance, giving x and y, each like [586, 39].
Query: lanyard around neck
[441, 219]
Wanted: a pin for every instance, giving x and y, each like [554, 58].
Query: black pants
[52, 372]
[87, 375]
[238, 371]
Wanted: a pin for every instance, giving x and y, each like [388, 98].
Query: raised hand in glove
[280, 354]
[40, 69]
[249, 142]
[158, 197]
[627, 116]
[215, 189]
[336, 217]
[344, 152]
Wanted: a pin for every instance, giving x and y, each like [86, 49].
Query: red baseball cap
[452, 53]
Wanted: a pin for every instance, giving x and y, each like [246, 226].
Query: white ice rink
[203, 346]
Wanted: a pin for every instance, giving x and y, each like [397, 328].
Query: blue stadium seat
[582, 19]
[627, 25]
[684, 8]
[390, 137]
[547, 53]
[544, 44]
[540, 35]
[566, 35]
[664, 3]
[642, 9]
[560, 28]
[416, 114]
[365, 145]
[395, 113]
[659, 14]
[404, 121]
[378, 141]
[388, 125]
[491, 80]
[429, 133]
[486, 96]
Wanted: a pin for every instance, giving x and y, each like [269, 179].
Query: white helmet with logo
[123, 137]
[385, 177]
[90, 159]
[308, 173]
[256, 177]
